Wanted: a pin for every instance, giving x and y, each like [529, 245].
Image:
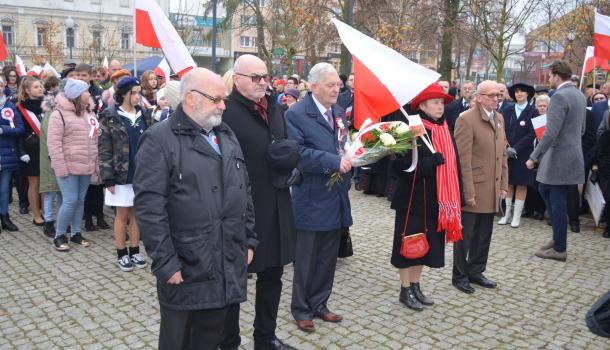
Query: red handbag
[415, 246]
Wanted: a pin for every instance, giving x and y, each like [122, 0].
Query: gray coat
[559, 153]
[195, 212]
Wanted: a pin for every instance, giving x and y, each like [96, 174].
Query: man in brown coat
[479, 135]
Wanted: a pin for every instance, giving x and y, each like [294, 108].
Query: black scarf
[32, 105]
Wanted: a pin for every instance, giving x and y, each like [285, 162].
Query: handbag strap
[404, 230]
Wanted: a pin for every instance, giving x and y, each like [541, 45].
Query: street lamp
[70, 33]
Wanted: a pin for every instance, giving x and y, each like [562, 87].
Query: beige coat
[484, 165]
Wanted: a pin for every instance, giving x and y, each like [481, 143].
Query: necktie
[465, 104]
[329, 118]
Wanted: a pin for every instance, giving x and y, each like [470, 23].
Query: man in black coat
[193, 205]
[453, 110]
[258, 120]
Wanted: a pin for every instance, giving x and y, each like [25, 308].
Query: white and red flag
[3, 50]
[591, 60]
[153, 29]
[384, 80]
[163, 70]
[20, 66]
[36, 71]
[601, 36]
[49, 67]
[105, 65]
[539, 125]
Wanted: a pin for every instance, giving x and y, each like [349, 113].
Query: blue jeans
[5, 188]
[556, 200]
[73, 191]
[49, 204]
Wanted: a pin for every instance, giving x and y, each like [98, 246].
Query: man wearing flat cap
[258, 123]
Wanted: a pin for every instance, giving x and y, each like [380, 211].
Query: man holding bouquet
[322, 213]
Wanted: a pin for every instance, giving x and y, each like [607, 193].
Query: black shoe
[37, 223]
[23, 210]
[77, 238]
[606, 234]
[102, 224]
[463, 287]
[89, 226]
[483, 282]
[527, 214]
[408, 298]
[575, 227]
[49, 229]
[420, 296]
[275, 344]
[61, 243]
[548, 222]
[538, 216]
[7, 224]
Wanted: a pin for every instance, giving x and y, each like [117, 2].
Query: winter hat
[431, 92]
[172, 93]
[293, 92]
[75, 88]
[126, 83]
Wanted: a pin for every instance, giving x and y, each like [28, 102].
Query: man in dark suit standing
[319, 126]
[258, 122]
[503, 103]
[453, 110]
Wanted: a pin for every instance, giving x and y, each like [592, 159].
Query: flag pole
[594, 72]
[135, 63]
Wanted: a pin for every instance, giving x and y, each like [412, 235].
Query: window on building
[246, 41]
[124, 3]
[41, 36]
[248, 21]
[96, 38]
[125, 41]
[70, 37]
[262, 3]
[8, 34]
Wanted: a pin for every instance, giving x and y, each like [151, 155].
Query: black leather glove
[511, 153]
[438, 159]
[594, 176]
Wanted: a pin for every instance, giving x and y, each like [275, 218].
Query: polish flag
[153, 29]
[384, 80]
[539, 125]
[601, 37]
[36, 71]
[3, 50]
[20, 66]
[105, 65]
[590, 60]
[49, 67]
[163, 70]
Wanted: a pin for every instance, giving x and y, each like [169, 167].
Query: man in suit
[559, 155]
[481, 141]
[503, 102]
[258, 123]
[319, 127]
[453, 110]
[346, 99]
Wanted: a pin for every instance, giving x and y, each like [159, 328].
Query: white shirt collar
[319, 105]
[489, 114]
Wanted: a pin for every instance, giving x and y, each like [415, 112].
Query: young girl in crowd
[149, 88]
[122, 125]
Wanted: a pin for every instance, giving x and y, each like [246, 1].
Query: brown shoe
[306, 325]
[550, 244]
[331, 317]
[552, 254]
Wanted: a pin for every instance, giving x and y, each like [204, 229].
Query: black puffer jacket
[195, 212]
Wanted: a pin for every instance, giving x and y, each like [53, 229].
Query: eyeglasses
[216, 100]
[492, 95]
[257, 78]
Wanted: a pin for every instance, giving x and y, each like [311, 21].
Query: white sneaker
[125, 263]
[138, 261]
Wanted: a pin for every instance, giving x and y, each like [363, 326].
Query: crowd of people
[221, 177]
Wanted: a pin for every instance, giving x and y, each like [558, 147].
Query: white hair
[543, 98]
[319, 71]
[187, 83]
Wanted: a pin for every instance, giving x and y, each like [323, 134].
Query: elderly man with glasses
[480, 138]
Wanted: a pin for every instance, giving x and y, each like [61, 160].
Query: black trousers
[94, 201]
[268, 292]
[314, 272]
[21, 183]
[470, 254]
[533, 201]
[573, 204]
[200, 329]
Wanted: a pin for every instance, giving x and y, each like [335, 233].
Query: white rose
[402, 128]
[387, 139]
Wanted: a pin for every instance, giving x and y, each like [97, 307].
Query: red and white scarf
[447, 183]
[31, 118]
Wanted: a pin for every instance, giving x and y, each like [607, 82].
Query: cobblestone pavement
[80, 299]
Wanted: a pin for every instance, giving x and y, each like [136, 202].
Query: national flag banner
[105, 65]
[153, 29]
[3, 50]
[601, 36]
[20, 66]
[591, 60]
[163, 70]
[36, 71]
[539, 125]
[384, 80]
[48, 67]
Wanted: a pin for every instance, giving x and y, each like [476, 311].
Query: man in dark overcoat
[258, 121]
[455, 108]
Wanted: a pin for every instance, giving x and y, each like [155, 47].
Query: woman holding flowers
[427, 200]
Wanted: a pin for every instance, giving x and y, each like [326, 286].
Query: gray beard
[210, 121]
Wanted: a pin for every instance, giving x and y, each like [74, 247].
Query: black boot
[49, 229]
[7, 224]
[89, 226]
[408, 298]
[101, 223]
[420, 296]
